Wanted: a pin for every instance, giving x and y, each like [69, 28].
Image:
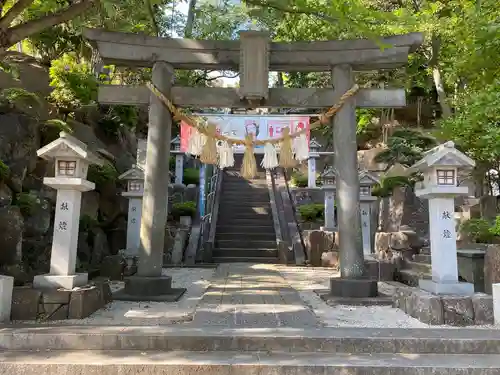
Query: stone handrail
[283, 248]
[293, 227]
[209, 221]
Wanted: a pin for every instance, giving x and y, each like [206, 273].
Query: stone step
[246, 210]
[245, 259]
[223, 228]
[410, 277]
[422, 258]
[237, 222]
[136, 362]
[185, 338]
[251, 216]
[250, 237]
[241, 253]
[244, 202]
[245, 243]
[417, 266]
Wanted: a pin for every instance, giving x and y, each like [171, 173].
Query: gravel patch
[305, 280]
[196, 280]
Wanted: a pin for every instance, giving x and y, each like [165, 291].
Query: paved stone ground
[252, 295]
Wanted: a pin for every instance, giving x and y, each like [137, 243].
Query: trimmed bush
[312, 212]
[187, 208]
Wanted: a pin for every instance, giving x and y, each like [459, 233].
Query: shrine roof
[134, 173]
[443, 155]
[67, 144]
[366, 177]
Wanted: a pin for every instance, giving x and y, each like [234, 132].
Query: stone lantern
[366, 182]
[175, 149]
[328, 180]
[440, 167]
[314, 148]
[134, 193]
[71, 159]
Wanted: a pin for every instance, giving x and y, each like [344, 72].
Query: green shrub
[191, 176]
[187, 208]
[299, 180]
[312, 212]
[87, 223]
[478, 230]
[4, 171]
[73, 82]
[21, 99]
[26, 202]
[102, 175]
[495, 229]
[118, 117]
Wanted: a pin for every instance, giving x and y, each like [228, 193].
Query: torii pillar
[149, 284]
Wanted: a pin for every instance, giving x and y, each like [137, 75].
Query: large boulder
[11, 228]
[38, 222]
[19, 141]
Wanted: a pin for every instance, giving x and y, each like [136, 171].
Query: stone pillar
[134, 225]
[149, 284]
[64, 244]
[346, 165]
[330, 224]
[366, 227]
[156, 178]
[496, 302]
[179, 168]
[311, 173]
[443, 244]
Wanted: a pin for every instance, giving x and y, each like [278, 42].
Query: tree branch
[267, 4]
[13, 12]
[24, 30]
[153, 18]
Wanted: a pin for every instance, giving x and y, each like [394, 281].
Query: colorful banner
[238, 126]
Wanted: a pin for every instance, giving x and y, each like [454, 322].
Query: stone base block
[6, 287]
[353, 288]
[53, 304]
[461, 289]
[143, 288]
[56, 281]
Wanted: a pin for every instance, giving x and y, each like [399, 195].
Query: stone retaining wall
[439, 310]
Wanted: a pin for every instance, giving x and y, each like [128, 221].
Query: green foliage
[4, 171]
[388, 184]
[21, 99]
[187, 208]
[26, 202]
[73, 82]
[102, 175]
[405, 146]
[312, 212]
[495, 229]
[475, 125]
[478, 230]
[118, 117]
[299, 180]
[191, 176]
[50, 130]
[87, 223]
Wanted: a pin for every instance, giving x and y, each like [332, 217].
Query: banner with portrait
[238, 126]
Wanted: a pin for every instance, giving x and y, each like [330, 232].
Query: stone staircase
[245, 229]
[192, 351]
[419, 267]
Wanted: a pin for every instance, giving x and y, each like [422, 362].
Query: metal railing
[206, 220]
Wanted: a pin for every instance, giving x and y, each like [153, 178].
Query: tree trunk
[17, 33]
[188, 30]
[436, 75]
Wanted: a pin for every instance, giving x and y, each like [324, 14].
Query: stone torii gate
[254, 55]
